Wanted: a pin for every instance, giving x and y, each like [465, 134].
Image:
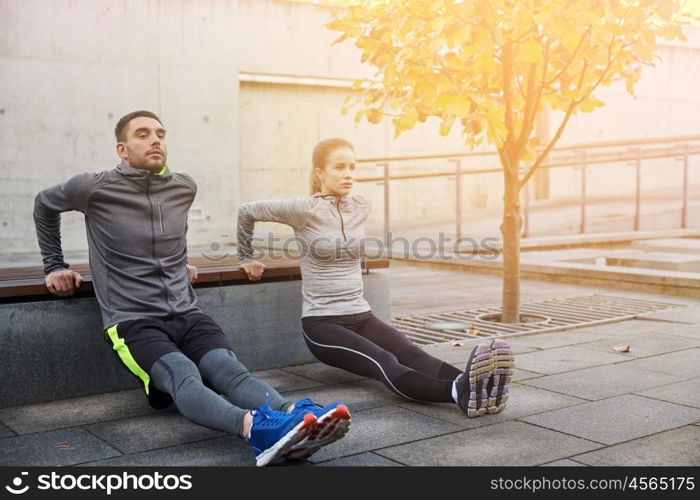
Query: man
[136, 222]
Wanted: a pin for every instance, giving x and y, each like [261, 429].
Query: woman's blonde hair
[320, 156]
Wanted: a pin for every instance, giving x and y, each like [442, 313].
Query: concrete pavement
[575, 400]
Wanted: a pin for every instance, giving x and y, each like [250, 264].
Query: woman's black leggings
[365, 345]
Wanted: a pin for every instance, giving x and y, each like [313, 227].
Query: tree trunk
[510, 230]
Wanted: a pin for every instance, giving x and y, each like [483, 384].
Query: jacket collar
[142, 174]
[341, 200]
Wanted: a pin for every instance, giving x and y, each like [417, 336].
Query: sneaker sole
[479, 368]
[328, 429]
[279, 451]
[503, 363]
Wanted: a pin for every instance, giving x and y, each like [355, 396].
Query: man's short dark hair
[120, 129]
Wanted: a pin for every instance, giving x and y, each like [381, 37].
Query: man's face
[145, 146]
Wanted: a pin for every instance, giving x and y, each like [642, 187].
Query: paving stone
[555, 339]
[689, 331]
[5, 432]
[519, 345]
[645, 345]
[690, 314]
[520, 375]
[76, 411]
[683, 393]
[563, 463]
[324, 373]
[505, 444]
[132, 435]
[283, 381]
[631, 327]
[381, 427]
[676, 447]
[53, 448]
[226, 451]
[523, 400]
[360, 395]
[458, 355]
[618, 419]
[685, 364]
[602, 381]
[361, 460]
[565, 359]
[453, 354]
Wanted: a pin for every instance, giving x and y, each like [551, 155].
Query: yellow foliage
[458, 35]
[530, 52]
[374, 115]
[446, 124]
[454, 104]
[590, 103]
[449, 59]
[405, 122]
[570, 38]
[529, 156]
[672, 32]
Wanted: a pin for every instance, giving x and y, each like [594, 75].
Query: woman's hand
[254, 269]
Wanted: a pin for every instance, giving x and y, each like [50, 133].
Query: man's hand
[254, 269]
[191, 273]
[64, 282]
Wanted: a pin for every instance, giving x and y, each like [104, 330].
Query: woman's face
[337, 174]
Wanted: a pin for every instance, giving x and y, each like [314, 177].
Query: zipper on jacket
[160, 215]
[155, 258]
[342, 224]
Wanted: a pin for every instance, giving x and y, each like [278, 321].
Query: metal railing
[583, 156]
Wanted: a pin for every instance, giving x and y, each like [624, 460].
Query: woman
[338, 324]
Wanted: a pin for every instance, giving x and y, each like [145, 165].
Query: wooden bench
[53, 348]
[24, 282]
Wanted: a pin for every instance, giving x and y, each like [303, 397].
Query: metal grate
[556, 314]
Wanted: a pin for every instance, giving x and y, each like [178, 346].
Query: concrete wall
[70, 69]
[667, 103]
[280, 124]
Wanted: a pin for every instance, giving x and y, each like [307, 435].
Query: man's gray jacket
[136, 224]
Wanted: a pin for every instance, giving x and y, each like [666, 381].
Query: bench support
[54, 349]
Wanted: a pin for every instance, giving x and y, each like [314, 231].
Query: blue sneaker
[274, 433]
[332, 423]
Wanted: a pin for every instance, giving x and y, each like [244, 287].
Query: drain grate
[547, 316]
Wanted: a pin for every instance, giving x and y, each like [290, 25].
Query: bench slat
[28, 281]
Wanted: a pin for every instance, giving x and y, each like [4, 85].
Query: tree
[491, 66]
